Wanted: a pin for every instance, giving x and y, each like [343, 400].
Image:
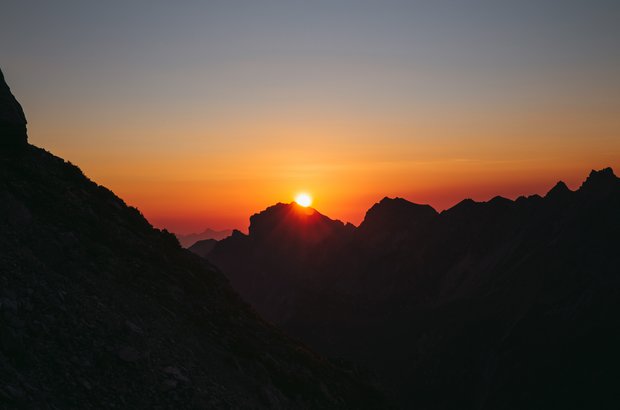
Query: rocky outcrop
[12, 119]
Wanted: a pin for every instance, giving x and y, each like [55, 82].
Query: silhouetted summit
[559, 191]
[488, 305]
[293, 222]
[285, 243]
[600, 181]
[12, 119]
[465, 205]
[395, 214]
[100, 310]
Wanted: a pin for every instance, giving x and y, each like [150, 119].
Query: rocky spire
[12, 118]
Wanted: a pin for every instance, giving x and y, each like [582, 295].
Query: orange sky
[186, 186]
[203, 113]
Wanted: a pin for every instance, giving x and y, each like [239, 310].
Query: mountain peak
[463, 206]
[236, 233]
[603, 174]
[600, 180]
[394, 213]
[293, 221]
[12, 118]
[559, 190]
[398, 204]
[500, 200]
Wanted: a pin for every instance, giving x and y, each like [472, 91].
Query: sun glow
[303, 199]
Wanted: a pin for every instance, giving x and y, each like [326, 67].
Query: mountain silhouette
[295, 223]
[98, 309]
[12, 119]
[285, 244]
[188, 240]
[487, 305]
[559, 191]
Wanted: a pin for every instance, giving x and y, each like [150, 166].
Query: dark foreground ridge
[12, 119]
[100, 310]
[488, 305]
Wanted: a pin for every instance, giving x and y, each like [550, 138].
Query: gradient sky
[201, 113]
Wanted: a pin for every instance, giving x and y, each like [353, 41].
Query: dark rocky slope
[100, 310]
[494, 305]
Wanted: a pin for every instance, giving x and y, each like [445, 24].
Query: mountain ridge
[436, 301]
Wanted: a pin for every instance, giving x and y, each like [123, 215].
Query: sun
[303, 199]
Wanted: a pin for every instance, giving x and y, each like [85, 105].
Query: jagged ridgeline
[487, 305]
[100, 310]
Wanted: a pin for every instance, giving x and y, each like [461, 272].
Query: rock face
[99, 310]
[12, 119]
[488, 305]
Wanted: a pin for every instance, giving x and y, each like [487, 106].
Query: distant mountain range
[188, 240]
[487, 305]
[100, 310]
